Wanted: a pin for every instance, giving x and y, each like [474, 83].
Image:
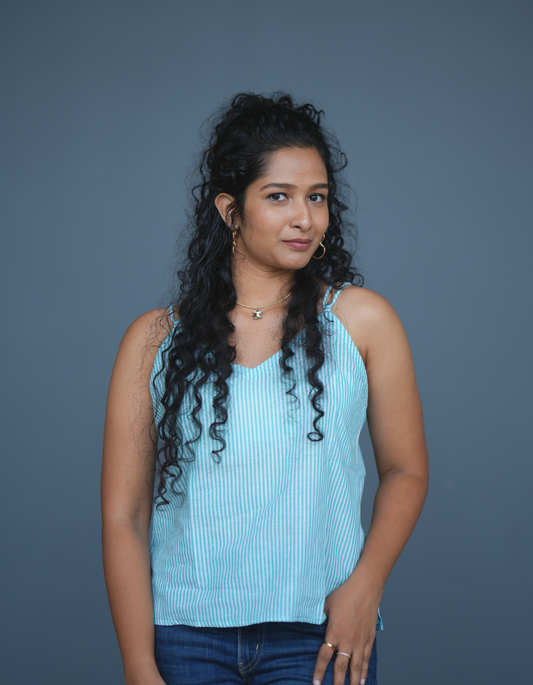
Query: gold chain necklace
[258, 311]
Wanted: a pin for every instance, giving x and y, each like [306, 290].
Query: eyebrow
[289, 186]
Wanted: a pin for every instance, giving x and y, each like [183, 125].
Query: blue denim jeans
[261, 654]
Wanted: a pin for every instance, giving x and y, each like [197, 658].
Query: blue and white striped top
[271, 529]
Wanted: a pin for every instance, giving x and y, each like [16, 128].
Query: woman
[234, 517]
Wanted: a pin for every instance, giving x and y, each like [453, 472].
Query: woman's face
[285, 211]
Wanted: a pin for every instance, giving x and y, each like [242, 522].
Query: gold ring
[333, 647]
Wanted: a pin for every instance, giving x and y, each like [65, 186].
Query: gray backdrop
[432, 101]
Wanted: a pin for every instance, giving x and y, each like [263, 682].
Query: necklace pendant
[258, 314]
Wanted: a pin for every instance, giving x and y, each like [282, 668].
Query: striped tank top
[270, 529]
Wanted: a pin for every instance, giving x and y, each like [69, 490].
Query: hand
[352, 611]
[144, 675]
[151, 680]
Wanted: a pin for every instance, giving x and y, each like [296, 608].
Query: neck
[256, 286]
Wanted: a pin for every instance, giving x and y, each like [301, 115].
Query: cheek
[322, 217]
[266, 224]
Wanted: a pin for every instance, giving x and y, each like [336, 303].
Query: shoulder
[153, 326]
[141, 341]
[361, 304]
[368, 317]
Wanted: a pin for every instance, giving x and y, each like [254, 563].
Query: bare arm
[127, 483]
[396, 427]
[397, 432]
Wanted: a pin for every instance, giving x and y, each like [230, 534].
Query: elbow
[119, 521]
[415, 482]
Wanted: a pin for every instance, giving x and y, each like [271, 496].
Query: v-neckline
[265, 365]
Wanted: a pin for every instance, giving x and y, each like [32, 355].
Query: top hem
[237, 623]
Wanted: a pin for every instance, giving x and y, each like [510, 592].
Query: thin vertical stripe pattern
[267, 531]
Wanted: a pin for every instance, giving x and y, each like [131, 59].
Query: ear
[223, 203]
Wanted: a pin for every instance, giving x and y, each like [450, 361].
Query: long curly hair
[243, 135]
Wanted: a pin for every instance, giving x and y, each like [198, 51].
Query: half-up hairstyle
[243, 135]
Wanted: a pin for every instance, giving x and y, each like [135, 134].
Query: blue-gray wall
[432, 101]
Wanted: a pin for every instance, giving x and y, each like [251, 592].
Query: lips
[298, 243]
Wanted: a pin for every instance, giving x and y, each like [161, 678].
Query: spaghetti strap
[339, 290]
[326, 297]
[170, 311]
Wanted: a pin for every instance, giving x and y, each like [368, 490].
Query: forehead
[293, 165]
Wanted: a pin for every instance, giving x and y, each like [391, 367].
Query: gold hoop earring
[322, 246]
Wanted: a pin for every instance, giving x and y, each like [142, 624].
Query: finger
[339, 670]
[356, 665]
[359, 668]
[324, 657]
[364, 669]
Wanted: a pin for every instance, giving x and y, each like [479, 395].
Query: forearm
[127, 573]
[397, 506]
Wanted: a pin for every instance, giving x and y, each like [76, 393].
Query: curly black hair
[243, 135]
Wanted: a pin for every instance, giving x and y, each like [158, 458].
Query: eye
[317, 197]
[277, 197]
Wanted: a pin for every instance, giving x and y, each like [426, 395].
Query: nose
[301, 216]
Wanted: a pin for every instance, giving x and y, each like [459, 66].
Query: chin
[295, 262]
